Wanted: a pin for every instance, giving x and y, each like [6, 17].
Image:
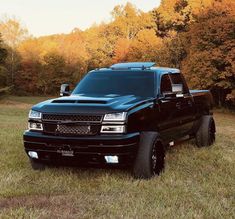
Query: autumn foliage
[195, 36]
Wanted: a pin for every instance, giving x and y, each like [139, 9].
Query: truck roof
[139, 66]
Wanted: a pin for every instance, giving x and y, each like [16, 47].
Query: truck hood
[89, 104]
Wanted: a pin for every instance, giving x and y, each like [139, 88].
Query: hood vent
[80, 101]
[92, 101]
[64, 101]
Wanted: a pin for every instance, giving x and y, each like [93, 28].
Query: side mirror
[177, 88]
[64, 90]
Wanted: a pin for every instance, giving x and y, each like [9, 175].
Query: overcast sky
[44, 17]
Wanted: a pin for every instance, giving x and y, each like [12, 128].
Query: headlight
[118, 129]
[115, 117]
[35, 114]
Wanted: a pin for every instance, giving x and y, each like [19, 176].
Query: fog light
[113, 129]
[33, 154]
[111, 159]
[35, 126]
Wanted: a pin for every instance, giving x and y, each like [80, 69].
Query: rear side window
[179, 79]
[166, 84]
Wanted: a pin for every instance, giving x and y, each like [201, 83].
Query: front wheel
[205, 135]
[150, 158]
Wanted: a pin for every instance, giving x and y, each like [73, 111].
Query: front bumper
[91, 149]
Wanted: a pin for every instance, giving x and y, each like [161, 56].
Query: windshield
[138, 83]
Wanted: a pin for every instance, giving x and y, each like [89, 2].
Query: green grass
[197, 183]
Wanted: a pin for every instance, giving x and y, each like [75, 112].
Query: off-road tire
[205, 135]
[150, 148]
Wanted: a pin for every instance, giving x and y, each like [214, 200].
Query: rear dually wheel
[205, 135]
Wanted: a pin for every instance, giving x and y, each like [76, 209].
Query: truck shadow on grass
[180, 148]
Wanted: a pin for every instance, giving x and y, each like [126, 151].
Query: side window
[178, 79]
[166, 84]
[185, 86]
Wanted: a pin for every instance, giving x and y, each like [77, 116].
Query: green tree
[3, 52]
[12, 33]
[53, 74]
[3, 56]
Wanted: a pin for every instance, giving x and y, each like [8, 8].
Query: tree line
[196, 36]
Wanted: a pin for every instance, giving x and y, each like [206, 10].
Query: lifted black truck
[123, 115]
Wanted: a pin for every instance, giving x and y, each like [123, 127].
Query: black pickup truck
[127, 114]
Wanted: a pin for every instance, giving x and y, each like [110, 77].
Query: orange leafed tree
[211, 52]
[194, 35]
[121, 50]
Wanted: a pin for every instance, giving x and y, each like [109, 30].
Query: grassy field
[197, 183]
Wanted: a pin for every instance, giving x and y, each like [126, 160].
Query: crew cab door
[169, 115]
[185, 105]
[177, 111]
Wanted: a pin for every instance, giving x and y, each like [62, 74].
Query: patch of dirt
[55, 206]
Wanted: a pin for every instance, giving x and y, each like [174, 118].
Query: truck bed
[202, 98]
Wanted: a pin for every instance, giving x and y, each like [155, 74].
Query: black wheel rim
[154, 159]
[157, 159]
[212, 132]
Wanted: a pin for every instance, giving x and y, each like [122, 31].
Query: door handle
[190, 103]
[163, 101]
[178, 105]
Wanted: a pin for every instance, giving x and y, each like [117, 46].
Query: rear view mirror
[177, 88]
[64, 90]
